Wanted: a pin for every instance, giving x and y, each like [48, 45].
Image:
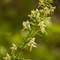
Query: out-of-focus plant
[39, 19]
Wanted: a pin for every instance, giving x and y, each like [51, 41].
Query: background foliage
[12, 14]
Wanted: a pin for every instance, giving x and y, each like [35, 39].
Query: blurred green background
[12, 14]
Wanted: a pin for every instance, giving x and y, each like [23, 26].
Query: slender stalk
[33, 33]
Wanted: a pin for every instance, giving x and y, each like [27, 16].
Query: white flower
[32, 43]
[52, 9]
[42, 29]
[26, 24]
[46, 10]
[14, 47]
[48, 20]
[37, 14]
[7, 57]
[42, 26]
[41, 2]
[32, 14]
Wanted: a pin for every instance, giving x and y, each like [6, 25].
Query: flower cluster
[8, 57]
[39, 18]
[35, 15]
[13, 56]
[43, 2]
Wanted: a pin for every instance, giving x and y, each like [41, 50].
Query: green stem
[32, 33]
